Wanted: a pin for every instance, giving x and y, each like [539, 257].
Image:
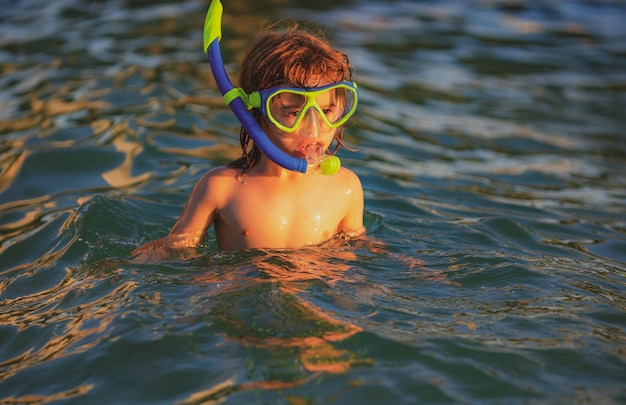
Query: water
[491, 148]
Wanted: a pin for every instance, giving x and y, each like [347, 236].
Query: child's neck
[267, 168]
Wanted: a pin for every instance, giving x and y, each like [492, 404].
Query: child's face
[311, 130]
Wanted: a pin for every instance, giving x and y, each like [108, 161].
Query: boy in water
[253, 202]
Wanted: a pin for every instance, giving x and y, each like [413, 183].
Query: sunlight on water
[490, 143]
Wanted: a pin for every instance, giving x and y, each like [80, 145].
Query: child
[253, 202]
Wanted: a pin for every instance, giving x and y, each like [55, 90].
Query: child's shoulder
[221, 175]
[223, 171]
[216, 186]
[348, 175]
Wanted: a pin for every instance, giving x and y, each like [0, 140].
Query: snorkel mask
[240, 103]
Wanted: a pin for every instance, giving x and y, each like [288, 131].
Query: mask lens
[336, 103]
[285, 106]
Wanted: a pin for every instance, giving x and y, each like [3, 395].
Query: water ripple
[490, 144]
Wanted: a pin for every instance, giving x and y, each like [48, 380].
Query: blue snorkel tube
[212, 36]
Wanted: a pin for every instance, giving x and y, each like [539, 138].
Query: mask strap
[250, 100]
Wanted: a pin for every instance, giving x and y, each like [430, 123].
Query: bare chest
[266, 218]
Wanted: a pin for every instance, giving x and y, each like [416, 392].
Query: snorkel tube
[211, 38]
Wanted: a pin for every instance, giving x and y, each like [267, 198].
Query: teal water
[492, 152]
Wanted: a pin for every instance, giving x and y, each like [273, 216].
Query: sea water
[490, 143]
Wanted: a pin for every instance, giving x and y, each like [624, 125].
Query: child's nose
[311, 125]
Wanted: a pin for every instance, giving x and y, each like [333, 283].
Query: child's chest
[262, 217]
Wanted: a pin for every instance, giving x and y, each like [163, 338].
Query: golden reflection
[101, 125]
[121, 176]
[191, 100]
[19, 124]
[261, 305]
[80, 322]
[19, 229]
[44, 399]
[49, 101]
[523, 26]
[215, 150]
[46, 103]
[218, 152]
[57, 106]
[11, 163]
[151, 121]
[219, 392]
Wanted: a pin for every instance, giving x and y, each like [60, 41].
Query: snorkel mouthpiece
[211, 37]
[330, 165]
[320, 162]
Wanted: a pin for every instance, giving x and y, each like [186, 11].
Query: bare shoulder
[349, 174]
[222, 173]
[350, 180]
[350, 186]
[220, 177]
[215, 186]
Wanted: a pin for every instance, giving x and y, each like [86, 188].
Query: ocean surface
[491, 143]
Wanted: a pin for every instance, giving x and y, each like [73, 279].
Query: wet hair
[287, 54]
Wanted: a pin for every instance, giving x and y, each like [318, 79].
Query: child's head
[288, 56]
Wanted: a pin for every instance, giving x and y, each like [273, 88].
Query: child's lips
[312, 151]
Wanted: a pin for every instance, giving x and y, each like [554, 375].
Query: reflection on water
[259, 306]
[490, 145]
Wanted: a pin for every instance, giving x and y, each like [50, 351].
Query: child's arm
[189, 230]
